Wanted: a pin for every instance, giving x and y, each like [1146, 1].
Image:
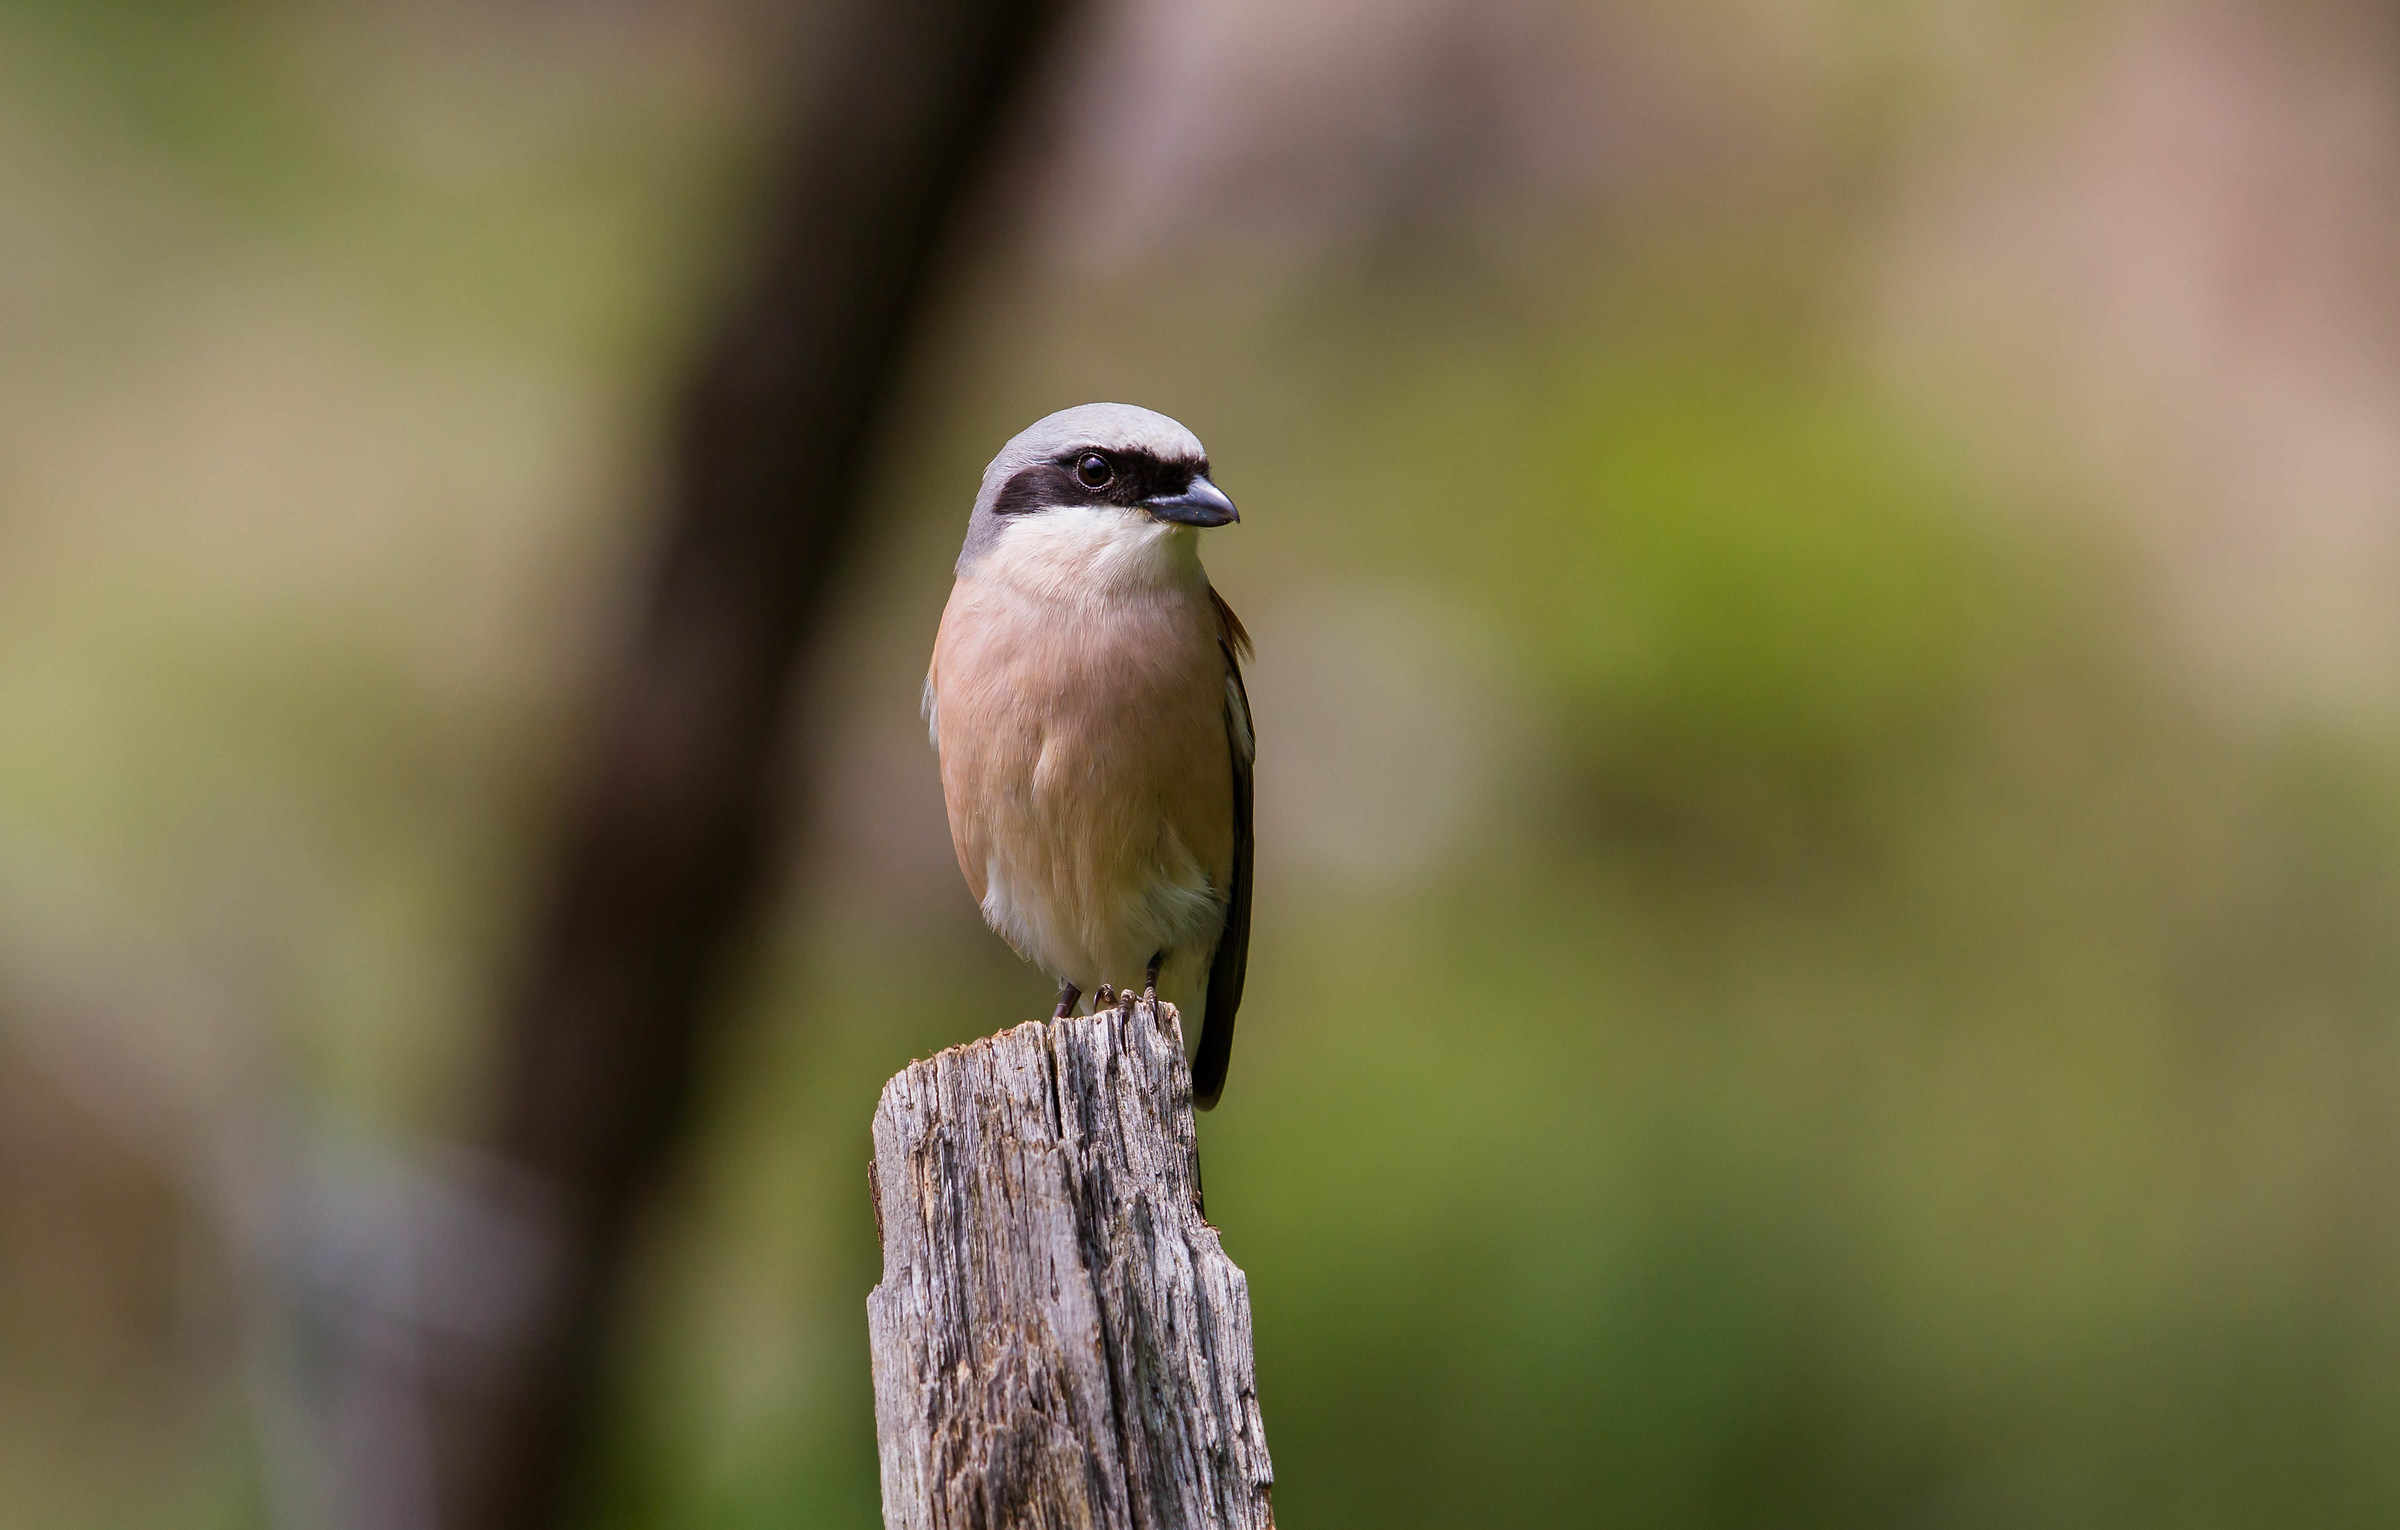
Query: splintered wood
[1059, 1339]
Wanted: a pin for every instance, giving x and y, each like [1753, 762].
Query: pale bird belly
[1090, 785]
[1090, 881]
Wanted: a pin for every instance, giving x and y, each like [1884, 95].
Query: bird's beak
[1200, 504]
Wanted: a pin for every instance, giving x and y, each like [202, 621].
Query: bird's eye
[1093, 472]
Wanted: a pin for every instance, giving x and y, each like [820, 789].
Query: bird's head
[1100, 481]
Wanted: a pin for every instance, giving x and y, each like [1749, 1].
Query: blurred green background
[1829, 806]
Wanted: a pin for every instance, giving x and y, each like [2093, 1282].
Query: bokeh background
[1827, 584]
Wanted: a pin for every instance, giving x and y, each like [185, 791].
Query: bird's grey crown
[1123, 430]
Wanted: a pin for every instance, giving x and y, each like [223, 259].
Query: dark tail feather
[1216, 1053]
[1225, 974]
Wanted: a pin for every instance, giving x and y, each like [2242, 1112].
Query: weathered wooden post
[1059, 1339]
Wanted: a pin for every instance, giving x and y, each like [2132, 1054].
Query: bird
[1085, 700]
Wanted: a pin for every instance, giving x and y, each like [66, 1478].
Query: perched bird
[1086, 700]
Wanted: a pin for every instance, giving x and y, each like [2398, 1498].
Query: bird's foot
[1068, 993]
[1150, 980]
[1103, 997]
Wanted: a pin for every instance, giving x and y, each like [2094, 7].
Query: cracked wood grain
[1059, 1339]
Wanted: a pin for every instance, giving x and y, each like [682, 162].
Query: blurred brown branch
[658, 865]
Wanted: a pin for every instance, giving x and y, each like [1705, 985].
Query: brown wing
[1232, 961]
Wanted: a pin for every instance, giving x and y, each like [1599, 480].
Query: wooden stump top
[1059, 1339]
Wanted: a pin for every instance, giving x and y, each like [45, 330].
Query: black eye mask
[1134, 476]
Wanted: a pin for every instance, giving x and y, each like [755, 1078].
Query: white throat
[1096, 550]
